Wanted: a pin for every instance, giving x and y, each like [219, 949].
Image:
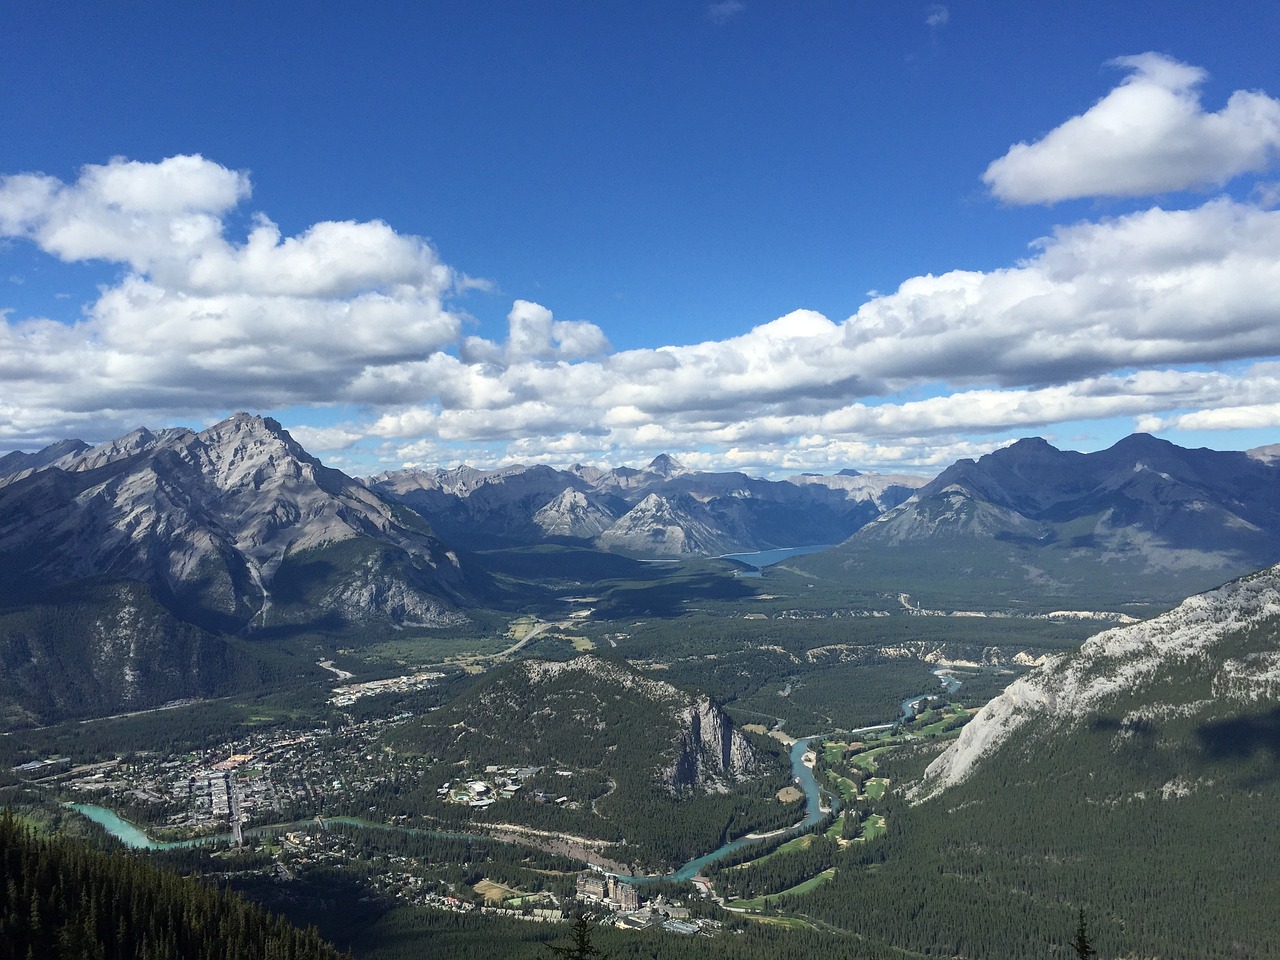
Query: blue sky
[761, 235]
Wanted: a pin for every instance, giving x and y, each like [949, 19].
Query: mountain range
[1142, 522]
[1135, 778]
[169, 559]
[221, 525]
[661, 510]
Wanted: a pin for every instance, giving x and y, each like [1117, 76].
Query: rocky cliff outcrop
[710, 753]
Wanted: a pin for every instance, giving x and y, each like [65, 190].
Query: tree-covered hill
[60, 899]
[634, 756]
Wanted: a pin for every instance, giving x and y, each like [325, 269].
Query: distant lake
[763, 558]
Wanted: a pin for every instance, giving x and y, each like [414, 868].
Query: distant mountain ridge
[1142, 520]
[148, 555]
[1178, 495]
[661, 510]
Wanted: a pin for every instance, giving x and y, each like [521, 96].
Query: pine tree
[582, 948]
[1081, 944]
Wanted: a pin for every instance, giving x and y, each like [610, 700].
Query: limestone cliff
[711, 752]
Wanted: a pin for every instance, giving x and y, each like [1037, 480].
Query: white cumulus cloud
[1149, 135]
[1038, 343]
[536, 335]
[259, 322]
[1163, 316]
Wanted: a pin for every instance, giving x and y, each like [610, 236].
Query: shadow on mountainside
[1251, 737]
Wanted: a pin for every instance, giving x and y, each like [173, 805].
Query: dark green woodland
[62, 899]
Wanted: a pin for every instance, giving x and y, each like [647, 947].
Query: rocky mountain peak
[667, 466]
[673, 526]
[1028, 446]
[574, 513]
[131, 444]
[1138, 443]
[216, 513]
[249, 450]
[1267, 454]
[17, 464]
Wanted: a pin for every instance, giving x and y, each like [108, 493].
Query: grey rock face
[711, 752]
[574, 514]
[208, 518]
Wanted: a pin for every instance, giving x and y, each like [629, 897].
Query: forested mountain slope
[97, 646]
[1136, 779]
[662, 772]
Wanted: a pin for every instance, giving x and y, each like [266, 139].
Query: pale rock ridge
[17, 465]
[604, 670]
[459, 481]
[675, 526]
[884, 490]
[1070, 687]
[667, 466]
[135, 442]
[939, 654]
[573, 514]
[952, 513]
[1267, 454]
[1251, 678]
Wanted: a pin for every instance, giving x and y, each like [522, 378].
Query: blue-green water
[760, 559]
[130, 834]
[807, 782]
[134, 837]
[813, 813]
